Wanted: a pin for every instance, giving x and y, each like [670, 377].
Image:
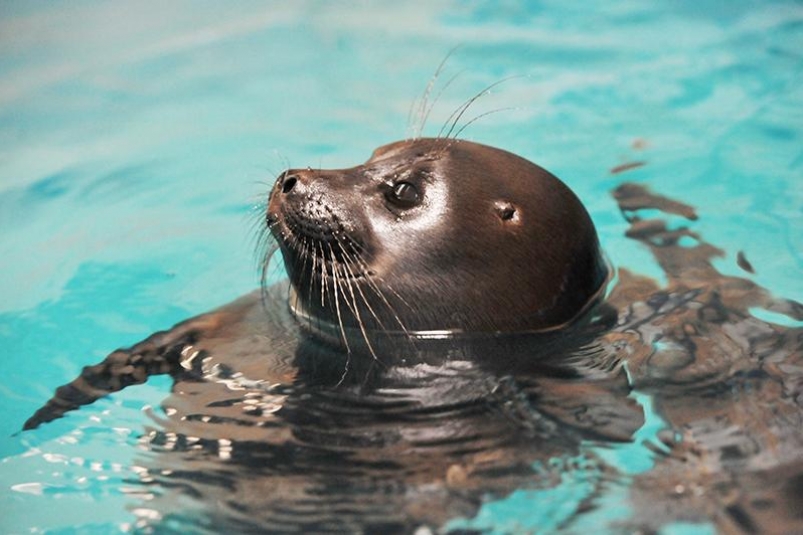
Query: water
[136, 138]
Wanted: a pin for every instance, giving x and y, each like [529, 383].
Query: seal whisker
[264, 243]
[481, 115]
[423, 109]
[295, 246]
[326, 281]
[272, 247]
[336, 269]
[299, 245]
[300, 248]
[356, 309]
[341, 327]
[396, 294]
[289, 240]
[323, 276]
[349, 258]
[312, 253]
[258, 227]
[456, 115]
[378, 291]
[268, 245]
[335, 289]
[435, 101]
[263, 249]
[283, 158]
[316, 250]
[313, 267]
[352, 283]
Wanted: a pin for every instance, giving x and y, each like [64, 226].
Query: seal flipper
[243, 331]
[158, 354]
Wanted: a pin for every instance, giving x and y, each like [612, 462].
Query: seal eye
[404, 195]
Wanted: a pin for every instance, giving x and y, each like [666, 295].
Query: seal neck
[335, 334]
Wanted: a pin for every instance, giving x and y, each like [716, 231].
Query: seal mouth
[327, 259]
[320, 248]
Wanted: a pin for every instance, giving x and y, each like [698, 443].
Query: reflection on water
[385, 448]
[727, 385]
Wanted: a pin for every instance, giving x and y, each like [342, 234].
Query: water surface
[136, 138]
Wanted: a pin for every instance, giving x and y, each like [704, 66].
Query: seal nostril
[289, 184]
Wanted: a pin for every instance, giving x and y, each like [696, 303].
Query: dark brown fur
[491, 242]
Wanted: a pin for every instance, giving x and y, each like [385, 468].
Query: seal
[436, 235]
[378, 366]
[302, 408]
[431, 237]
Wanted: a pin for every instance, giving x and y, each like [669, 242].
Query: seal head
[436, 234]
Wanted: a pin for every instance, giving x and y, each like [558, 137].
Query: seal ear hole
[506, 211]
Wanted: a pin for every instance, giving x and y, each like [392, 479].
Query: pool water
[137, 138]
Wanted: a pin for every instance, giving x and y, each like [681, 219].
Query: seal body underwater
[444, 340]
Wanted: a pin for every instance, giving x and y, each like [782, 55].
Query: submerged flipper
[159, 354]
[246, 328]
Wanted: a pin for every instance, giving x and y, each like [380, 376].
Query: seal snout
[287, 192]
[306, 213]
[314, 218]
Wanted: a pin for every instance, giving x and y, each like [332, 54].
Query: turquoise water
[136, 138]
